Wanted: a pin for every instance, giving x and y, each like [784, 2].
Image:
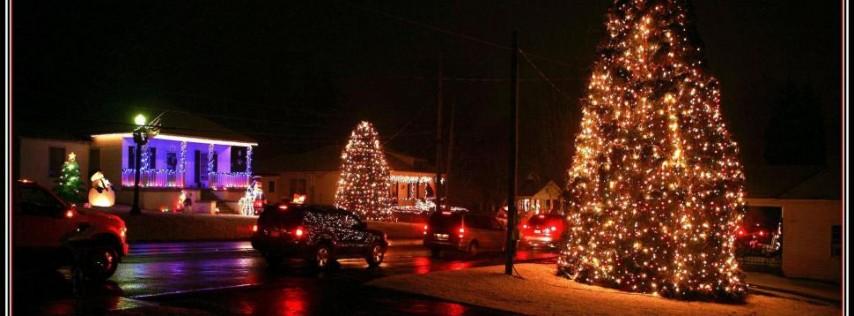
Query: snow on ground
[541, 292]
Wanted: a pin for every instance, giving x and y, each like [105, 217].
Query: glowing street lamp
[139, 120]
[141, 135]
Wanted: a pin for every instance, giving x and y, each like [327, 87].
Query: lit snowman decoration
[101, 194]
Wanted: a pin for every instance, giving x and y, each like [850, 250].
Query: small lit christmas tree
[656, 190]
[363, 186]
[69, 185]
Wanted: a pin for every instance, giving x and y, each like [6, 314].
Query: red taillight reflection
[462, 231]
[298, 232]
[283, 207]
[254, 228]
[69, 213]
[425, 229]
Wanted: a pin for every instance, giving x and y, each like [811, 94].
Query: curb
[793, 295]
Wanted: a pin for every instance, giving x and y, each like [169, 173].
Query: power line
[543, 75]
[450, 33]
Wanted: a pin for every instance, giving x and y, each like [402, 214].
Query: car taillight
[283, 207]
[462, 231]
[298, 232]
[525, 226]
[554, 228]
[69, 213]
[425, 229]
[254, 228]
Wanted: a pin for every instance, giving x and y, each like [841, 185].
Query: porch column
[182, 165]
[249, 160]
[211, 176]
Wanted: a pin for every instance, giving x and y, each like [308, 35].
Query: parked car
[320, 234]
[463, 231]
[50, 232]
[542, 230]
[759, 240]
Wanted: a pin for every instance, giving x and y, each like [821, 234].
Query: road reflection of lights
[459, 265]
[454, 309]
[293, 302]
[246, 308]
[422, 265]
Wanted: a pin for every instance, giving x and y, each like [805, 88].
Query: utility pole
[135, 210]
[510, 245]
[449, 163]
[438, 182]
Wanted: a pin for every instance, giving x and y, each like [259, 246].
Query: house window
[238, 159]
[297, 186]
[271, 186]
[172, 161]
[131, 157]
[94, 160]
[835, 240]
[56, 157]
[395, 191]
[152, 158]
[215, 160]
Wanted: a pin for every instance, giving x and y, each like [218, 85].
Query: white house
[191, 154]
[807, 200]
[314, 174]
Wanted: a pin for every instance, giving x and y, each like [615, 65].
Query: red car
[543, 230]
[49, 231]
[757, 239]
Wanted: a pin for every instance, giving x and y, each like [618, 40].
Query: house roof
[328, 158]
[185, 124]
[794, 182]
[533, 184]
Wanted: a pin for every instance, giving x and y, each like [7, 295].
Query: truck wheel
[375, 257]
[473, 249]
[323, 258]
[99, 263]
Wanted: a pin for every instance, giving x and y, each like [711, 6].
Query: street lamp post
[141, 135]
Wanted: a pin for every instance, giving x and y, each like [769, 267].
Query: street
[231, 278]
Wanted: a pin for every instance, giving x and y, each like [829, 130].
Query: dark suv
[317, 233]
[461, 231]
[543, 230]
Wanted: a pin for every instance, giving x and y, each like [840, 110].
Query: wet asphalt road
[231, 278]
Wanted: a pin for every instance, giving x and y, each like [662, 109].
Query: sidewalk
[540, 292]
[778, 285]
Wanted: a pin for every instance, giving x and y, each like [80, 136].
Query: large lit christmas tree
[69, 184]
[656, 190]
[363, 186]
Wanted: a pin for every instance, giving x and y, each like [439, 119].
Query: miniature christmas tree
[656, 190]
[363, 186]
[69, 185]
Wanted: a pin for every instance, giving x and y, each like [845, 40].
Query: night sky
[298, 76]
